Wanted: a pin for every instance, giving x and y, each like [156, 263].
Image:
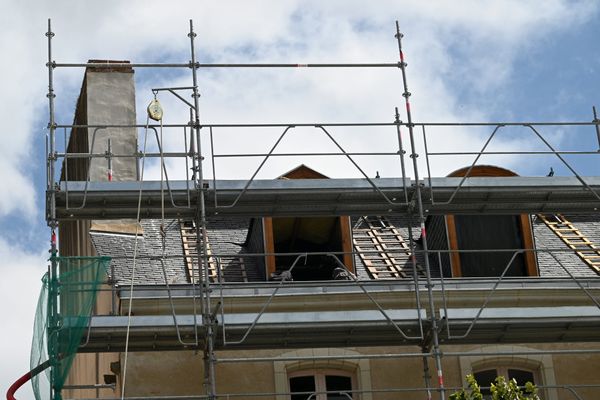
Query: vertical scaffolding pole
[414, 155]
[202, 244]
[192, 153]
[596, 121]
[402, 152]
[52, 223]
[426, 375]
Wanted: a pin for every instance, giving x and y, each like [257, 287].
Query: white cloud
[487, 37]
[20, 197]
[20, 285]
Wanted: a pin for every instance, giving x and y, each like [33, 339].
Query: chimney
[107, 98]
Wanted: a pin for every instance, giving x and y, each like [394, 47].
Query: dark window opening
[485, 380]
[309, 235]
[304, 386]
[522, 377]
[489, 232]
[486, 377]
[341, 384]
[437, 239]
[480, 232]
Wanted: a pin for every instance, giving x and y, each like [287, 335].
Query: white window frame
[319, 374]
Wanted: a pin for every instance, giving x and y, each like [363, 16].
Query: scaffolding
[423, 323]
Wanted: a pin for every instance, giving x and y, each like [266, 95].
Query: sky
[468, 60]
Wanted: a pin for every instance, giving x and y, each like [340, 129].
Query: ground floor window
[487, 376]
[521, 365]
[312, 385]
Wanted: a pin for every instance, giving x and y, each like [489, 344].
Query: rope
[163, 233]
[162, 189]
[134, 261]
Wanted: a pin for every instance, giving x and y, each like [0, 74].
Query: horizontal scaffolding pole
[136, 155]
[226, 65]
[236, 360]
[337, 253]
[489, 153]
[240, 155]
[119, 65]
[325, 124]
[91, 386]
[182, 154]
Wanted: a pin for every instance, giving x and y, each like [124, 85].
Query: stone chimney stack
[107, 98]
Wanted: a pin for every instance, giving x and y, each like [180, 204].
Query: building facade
[306, 286]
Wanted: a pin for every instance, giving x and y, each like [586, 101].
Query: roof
[238, 251]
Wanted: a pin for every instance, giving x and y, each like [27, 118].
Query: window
[487, 376]
[307, 235]
[520, 367]
[474, 232]
[483, 232]
[306, 385]
[355, 371]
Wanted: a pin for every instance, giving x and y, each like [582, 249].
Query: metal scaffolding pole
[596, 122]
[195, 65]
[202, 242]
[341, 124]
[414, 155]
[53, 319]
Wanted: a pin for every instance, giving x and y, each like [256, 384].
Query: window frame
[543, 364]
[526, 235]
[502, 370]
[346, 242]
[361, 368]
[304, 172]
[319, 375]
[525, 227]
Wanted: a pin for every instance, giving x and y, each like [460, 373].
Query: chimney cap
[107, 67]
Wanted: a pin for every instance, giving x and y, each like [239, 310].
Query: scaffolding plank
[300, 197]
[345, 328]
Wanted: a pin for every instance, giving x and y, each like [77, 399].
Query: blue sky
[468, 61]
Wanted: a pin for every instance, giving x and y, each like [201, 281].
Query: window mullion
[320, 386]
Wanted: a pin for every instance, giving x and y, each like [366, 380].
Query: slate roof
[149, 261]
[229, 236]
[588, 225]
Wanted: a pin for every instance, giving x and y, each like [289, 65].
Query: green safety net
[63, 311]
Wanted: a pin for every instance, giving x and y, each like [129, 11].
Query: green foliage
[501, 390]
[473, 394]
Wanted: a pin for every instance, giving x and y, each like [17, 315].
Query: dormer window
[324, 235]
[487, 232]
[476, 233]
[308, 235]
